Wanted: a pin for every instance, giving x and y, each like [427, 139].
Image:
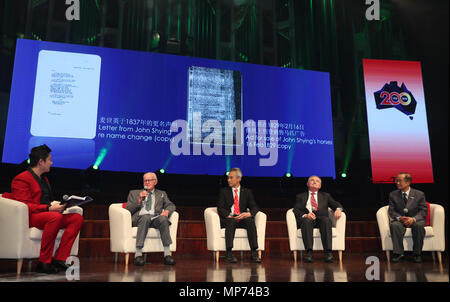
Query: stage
[281, 268]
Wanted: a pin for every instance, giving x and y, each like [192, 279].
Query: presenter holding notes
[32, 188]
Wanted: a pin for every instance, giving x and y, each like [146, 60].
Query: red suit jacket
[26, 189]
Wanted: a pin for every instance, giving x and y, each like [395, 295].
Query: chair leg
[433, 256]
[127, 257]
[19, 266]
[388, 256]
[217, 256]
[295, 256]
[340, 256]
[259, 254]
[116, 256]
[439, 254]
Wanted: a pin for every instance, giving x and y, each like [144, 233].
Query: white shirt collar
[407, 192]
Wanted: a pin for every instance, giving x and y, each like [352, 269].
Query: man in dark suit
[150, 208]
[232, 207]
[311, 211]
[407, 209]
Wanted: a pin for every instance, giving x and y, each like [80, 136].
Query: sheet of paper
[66, 95]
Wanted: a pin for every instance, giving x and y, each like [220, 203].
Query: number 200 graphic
[395, 98]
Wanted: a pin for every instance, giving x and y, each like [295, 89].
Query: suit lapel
[411, 197]
[157, 198]
[241, 197]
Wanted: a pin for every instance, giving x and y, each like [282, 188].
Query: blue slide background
[152, 86]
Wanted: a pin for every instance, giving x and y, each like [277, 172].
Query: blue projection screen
[136, 111]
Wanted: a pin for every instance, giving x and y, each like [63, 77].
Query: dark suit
[144, 222]
[417, 208]
[322, 221]
[246, 202]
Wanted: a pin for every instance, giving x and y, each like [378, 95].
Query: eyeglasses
[399, 180]
[149, 180]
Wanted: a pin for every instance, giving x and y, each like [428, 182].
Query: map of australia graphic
[391, 95]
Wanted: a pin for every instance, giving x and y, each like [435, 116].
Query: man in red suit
[45, 214]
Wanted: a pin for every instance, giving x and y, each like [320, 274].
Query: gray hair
[156, 177]
[408, 177]
[238, 171]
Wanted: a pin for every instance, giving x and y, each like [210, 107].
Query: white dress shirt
[308, 202]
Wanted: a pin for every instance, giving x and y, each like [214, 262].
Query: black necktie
[405, 199]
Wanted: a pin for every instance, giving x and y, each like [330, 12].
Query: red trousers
[51, 223]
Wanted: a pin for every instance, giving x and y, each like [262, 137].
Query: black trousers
[230, 225]
[398, 232]
[307, 226]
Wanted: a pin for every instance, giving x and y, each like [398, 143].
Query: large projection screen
[138, 111]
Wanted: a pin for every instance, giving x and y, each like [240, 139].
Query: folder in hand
[71, 201]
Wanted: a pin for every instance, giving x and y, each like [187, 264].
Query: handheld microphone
[405, 211]
[65, 198]
[146, 197]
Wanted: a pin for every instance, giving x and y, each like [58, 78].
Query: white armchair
[123, 235]
[295, 235]
[215, 235]
[434, 240]
[18, 240]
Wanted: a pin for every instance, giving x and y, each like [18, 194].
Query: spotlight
[91, 179]
[162, 171]
[226, 173]
[343, 175]
[288, 175]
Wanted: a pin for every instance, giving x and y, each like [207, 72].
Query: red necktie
[236, 202]
[313, 202]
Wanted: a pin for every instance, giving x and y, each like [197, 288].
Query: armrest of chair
[260, 222]
[174, 228]
[383, 222]
[119, 225]
[292, 228]
[212, 223]
[340, 224]
[14, 227]
[437, 221]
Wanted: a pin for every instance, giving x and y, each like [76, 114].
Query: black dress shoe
[230, 258]
[417, 259]
[46, 268]
[309, 257]
[255, 258]
[328, 257]
[397, 258]
[60, 265]
[139, 261]
[168, 260]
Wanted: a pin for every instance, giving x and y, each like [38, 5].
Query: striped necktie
[313, 202]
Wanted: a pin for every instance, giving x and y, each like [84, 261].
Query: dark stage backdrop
[327, 36]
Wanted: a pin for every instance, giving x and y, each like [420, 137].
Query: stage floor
[272, 269]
